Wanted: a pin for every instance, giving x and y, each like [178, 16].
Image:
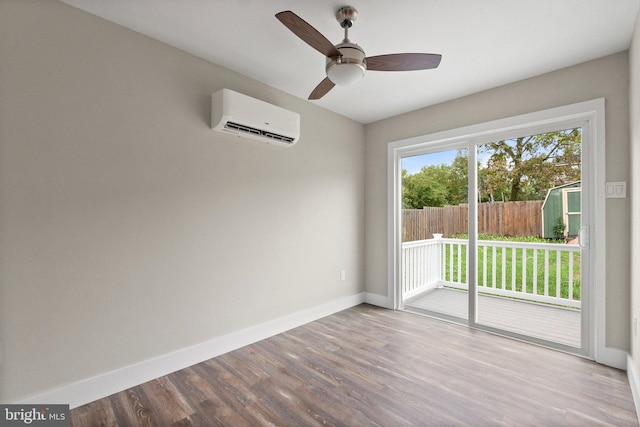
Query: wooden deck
[546, 322]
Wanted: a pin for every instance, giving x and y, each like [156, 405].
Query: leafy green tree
[526, 167]
[425, 188]
[496, 180]
[457, 178]
[437, 185]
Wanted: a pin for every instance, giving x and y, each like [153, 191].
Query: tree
[437, 185]
[526, 167]
[457, 179]
[496, 179]
[424, 188]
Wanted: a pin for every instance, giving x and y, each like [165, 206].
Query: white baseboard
[90, 389]
[613, 357]
[378, 300]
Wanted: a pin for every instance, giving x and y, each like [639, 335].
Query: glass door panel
[435, 234]
[528, 257]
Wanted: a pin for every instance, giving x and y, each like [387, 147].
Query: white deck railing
[550, 272]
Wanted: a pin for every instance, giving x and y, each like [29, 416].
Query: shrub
[558, 229]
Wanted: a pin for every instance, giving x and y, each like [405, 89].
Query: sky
[415, 163]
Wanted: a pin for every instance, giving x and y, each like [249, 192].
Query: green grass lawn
[508, 285]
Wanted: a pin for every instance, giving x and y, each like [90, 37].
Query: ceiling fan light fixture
[349, 68]
[345, 73]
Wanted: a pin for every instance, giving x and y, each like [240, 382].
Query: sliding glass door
[491, 235]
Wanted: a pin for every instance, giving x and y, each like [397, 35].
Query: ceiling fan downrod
[345, 17]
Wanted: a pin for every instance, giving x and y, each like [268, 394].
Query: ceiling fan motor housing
[349, 68]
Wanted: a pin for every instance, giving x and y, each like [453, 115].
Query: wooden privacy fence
[502, 218]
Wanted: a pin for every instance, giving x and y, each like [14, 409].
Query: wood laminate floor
[368, 366]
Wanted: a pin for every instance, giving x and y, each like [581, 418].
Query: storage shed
[563, 203]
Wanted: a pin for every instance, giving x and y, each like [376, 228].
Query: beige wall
[634, 110]
[129, 229]
[606, 77]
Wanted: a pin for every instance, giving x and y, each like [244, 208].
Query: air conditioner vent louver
[246, 117]
[255, 131]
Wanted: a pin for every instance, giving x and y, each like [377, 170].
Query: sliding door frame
[590, 117]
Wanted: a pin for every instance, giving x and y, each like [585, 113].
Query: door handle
[583, 237]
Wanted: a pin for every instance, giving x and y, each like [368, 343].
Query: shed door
[572, 211]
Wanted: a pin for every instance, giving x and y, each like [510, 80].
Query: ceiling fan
[346, 61]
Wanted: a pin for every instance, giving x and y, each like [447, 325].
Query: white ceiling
[484, 44]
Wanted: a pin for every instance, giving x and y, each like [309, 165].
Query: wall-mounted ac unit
[241, 115]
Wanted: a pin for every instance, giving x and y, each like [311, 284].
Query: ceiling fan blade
[403, 62]
[321, 90]
[307, 33]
